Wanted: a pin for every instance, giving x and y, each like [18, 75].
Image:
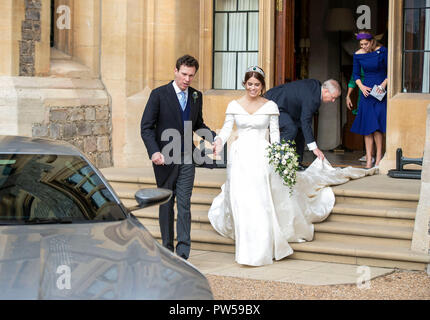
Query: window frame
[237, 52]
[405, 51]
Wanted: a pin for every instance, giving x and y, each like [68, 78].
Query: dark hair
[256, 75]
[188, 61]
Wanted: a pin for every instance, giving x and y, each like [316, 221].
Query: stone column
[34, 48]
[421, 236]
[86, 34]
[13, 12]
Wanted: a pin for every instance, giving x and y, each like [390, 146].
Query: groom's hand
[158, 159]
[319, 153]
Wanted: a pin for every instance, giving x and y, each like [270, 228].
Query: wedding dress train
[254, 207]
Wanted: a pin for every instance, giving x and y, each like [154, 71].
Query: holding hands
[217, 146]
[158, 159]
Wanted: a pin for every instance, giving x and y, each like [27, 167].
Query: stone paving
[286, 270]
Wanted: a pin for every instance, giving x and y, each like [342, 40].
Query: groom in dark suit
[172, 113]
[297, 102]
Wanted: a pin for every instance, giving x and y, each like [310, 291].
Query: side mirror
[150, 197]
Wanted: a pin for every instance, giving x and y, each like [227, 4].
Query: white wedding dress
[254, 206]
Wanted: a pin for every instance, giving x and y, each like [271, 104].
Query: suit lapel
[174, 104]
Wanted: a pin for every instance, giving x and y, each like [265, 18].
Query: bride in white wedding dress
[255, 207]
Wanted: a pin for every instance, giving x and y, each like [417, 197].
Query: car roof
[27, 145]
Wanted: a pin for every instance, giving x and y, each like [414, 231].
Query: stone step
[126, 192]
[66, 68]
[375, 201]
[380, 187]
[136, 186]
[364, 207]
[362, 229]
[362, 210]
[361, 195]
[401, 217]
[367, 187]
[200, 215]
[56, 83]
[206, 178]
[341, 231]
[366, 226]
[384, 252]
[74, 97]
[333, 231]
[390, 256]
[152, 211]
[59, 55]
[358, 239]
[335, 217]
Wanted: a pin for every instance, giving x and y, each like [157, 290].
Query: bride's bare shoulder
[264, 100]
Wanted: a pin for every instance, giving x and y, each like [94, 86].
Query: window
[51, 187]
[235, 41]
[416, 46]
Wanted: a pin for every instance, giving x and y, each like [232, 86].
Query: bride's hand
[217, 146]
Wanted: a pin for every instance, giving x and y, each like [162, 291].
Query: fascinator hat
[364, 36]
[256, 69]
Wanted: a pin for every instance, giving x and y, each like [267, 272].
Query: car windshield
[53, 189]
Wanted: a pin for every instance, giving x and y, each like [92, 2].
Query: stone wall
[31, 33]
[86, 127]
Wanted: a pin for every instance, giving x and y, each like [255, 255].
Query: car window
[53, 188]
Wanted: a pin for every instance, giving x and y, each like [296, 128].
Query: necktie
[182, 101]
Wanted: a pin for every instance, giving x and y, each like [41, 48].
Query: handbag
[376, 94]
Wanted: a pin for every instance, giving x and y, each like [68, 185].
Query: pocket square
[376, 94]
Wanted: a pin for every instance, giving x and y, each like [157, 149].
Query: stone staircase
[62, 66]
[371, 224]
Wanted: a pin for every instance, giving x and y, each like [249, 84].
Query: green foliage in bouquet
[285, 160]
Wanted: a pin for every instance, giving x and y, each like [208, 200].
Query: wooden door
[284, 42]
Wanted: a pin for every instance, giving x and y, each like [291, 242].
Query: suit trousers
[181, 182]
[292, 131]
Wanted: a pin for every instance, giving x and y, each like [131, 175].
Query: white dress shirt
[178, 92]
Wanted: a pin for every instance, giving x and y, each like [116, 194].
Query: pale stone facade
[421, 238]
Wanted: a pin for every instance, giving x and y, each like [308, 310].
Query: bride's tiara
[256, 69]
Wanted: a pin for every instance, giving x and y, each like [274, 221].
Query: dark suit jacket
[298, 100]
[162, 112]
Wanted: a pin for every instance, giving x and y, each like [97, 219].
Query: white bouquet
[285, 160]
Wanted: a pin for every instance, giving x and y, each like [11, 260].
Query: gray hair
[332, 86]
